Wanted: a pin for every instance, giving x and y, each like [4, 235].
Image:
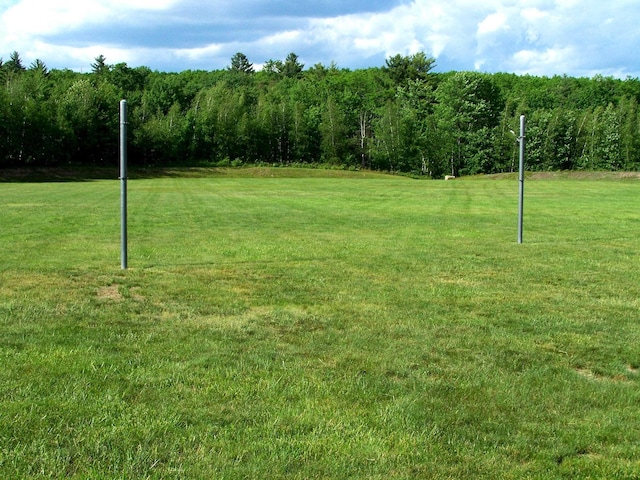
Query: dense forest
[400, 117]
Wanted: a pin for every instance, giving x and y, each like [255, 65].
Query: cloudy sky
[539, 37]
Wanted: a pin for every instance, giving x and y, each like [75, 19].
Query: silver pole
[123, 183]
[521, 180]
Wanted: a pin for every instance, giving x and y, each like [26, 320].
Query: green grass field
[323, 326]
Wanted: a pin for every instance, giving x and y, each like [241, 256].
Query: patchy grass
[320, 327]
[563, 175]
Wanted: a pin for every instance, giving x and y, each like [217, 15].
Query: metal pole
[123, 183]
[521, 180]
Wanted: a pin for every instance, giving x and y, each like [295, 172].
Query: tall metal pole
[521, 180]
[123, 183]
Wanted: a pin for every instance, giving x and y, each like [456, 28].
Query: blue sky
[538, 37]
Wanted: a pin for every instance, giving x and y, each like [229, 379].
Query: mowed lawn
[320, 326]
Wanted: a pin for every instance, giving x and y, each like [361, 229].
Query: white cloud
[198, 53]
[33, 18]
[37, 17]
[283, 38]
[522, 36]
[533, 14]
[538, 62]
[388, 33]
[28, 25]
[493, 23]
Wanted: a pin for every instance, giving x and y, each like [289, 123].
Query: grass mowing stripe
[320, 327]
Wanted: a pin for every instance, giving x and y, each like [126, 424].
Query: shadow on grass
[80, 173]
[291, 263]
[56, 174]
[89, 174]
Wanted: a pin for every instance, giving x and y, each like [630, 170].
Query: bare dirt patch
[599, 377]
[111, 292]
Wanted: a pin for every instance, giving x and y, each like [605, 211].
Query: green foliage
[400, 117]
[40, 67]
[402, 69]
[89, 113]
[241, 64]
[334, 132]
[14, 65]
[100, 67]
[292, 68]
[551, 139]
[468, 111]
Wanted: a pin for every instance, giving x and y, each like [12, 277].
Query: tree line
[399, 117]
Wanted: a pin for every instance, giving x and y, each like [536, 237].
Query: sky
[579, 38]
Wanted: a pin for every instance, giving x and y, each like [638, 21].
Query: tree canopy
[401, 117]
[241, 64]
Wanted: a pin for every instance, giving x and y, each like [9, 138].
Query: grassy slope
[320, 327]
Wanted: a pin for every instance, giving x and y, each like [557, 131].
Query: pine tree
[240, 63]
